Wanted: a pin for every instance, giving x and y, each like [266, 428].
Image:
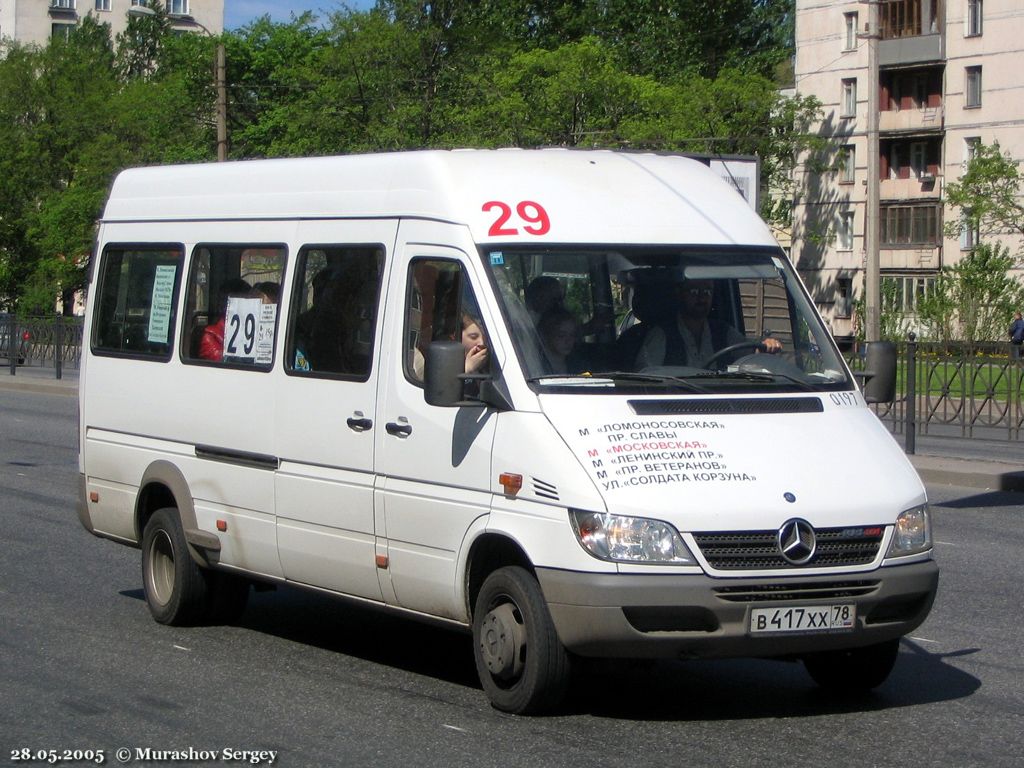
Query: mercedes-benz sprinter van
[577, 403]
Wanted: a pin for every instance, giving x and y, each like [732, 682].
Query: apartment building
[36, 21]
[950, 76]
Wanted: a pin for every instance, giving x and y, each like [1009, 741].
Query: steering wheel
[759, 346]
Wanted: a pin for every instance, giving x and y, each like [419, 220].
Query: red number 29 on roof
[532, 217]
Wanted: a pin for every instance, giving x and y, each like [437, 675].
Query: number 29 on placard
[530, 216]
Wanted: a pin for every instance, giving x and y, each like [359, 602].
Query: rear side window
[334, 311]
[136, 312]
[234, 292]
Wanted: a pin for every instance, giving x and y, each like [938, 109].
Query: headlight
[629, 539]
[912, 534]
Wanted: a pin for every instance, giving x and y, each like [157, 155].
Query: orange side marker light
[512, 483]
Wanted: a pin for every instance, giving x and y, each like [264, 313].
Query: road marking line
[453, 728]
[924, 640]
[182, 648]
[946, 543]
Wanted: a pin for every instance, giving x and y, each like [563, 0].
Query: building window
[970, 235]
[177, 7]
[68, 5]
[909, 225]
[918, 159]
[906, 292]
[972, 144]
[848, 106]
[973, 19]
[102, 5]
[844, 297]
[61, 31]
[844, 233]
[850, 38]
[972, 87]
[847, 169]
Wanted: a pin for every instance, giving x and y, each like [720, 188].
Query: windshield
[705, 320]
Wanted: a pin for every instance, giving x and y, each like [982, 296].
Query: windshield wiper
[771, 376]
[652, 378]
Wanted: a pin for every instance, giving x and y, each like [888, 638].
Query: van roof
[595, 196]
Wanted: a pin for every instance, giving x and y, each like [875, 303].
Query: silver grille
[759, 550]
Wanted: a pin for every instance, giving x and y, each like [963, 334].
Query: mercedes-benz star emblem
[796, 541]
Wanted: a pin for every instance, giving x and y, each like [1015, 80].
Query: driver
[694, 338]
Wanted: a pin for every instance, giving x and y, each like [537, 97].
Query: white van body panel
[433, 483]
[670, 199]
[324, 491]
[733, 470]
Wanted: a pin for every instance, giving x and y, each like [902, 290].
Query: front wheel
[523, 666]
[854, 670]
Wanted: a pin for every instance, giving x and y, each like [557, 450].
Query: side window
[138, 298]
[334, 311]
[440, 306]
[233, 297]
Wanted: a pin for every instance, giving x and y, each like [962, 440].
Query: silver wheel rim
[161, 567]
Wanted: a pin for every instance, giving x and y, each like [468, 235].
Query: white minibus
[577, 403]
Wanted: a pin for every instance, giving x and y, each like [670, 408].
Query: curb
[987, 475]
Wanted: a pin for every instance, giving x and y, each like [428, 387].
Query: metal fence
[41, 341]
[955, 390]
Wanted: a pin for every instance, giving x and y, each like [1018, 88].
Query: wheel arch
[489, 552]
[164, 485]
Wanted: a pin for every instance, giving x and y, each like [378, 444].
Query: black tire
[854, 670]
[175, 586]
[523, 666]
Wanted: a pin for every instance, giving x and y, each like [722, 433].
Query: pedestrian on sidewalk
[1016, 335]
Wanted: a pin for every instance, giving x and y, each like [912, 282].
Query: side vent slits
[544, 490]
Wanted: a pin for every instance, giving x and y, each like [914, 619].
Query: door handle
[359, 424]
[400, 430]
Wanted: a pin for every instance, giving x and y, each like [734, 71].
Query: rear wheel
[175, 587]
[523, 666]
[854, 670]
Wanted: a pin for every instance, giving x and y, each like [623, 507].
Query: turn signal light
[222, 525]
[512, 483]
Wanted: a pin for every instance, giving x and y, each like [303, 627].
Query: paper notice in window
[265, 336]
[163, 298]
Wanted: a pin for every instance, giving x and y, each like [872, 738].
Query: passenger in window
[691, 337]
[542, 294]
[211, 344]
[268, 292]
[474, 342]
[559, 331]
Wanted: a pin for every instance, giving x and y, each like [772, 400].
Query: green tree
[989, 196]
[973, 300]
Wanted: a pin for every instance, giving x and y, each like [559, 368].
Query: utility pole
[222, 105]
[872, 266]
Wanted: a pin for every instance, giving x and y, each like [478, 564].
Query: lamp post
[220, 77]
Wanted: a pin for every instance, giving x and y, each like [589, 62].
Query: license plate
[808, 618]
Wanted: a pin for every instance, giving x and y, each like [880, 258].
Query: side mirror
[444, 364]
[879, 372]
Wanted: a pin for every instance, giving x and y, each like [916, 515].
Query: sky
[238, 13]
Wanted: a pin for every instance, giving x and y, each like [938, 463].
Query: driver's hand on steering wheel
[771, 346]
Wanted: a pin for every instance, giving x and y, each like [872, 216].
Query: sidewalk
[996, 465]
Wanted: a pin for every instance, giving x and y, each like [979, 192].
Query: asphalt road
[318, 682]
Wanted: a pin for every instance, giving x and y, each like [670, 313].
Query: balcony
[913, 120]
[910, 257]
[911, 32]
[925, 188]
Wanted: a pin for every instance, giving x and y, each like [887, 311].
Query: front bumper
[654, 616]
